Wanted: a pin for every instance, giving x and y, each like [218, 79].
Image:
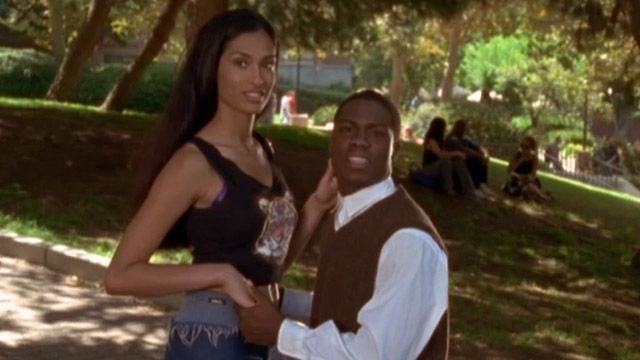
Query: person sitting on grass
[476, 156]
[445, 164]
[523, 168]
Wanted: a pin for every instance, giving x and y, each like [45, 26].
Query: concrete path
[47, 315]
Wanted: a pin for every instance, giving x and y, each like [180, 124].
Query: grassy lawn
[547, 281]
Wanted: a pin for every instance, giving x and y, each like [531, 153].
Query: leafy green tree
[499, 60]
[122, 90]
[64, 84]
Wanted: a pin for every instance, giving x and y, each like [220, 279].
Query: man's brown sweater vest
[349, 262]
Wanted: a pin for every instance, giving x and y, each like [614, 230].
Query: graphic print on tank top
[279, 223]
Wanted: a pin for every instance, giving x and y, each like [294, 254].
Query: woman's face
[247, 73]
[526, 145]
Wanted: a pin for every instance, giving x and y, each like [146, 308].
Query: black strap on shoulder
[266, 145]
[213, 156]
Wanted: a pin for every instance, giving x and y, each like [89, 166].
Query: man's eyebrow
[368, 125]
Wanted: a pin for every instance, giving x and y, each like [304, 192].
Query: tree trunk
[198, 13]
[485, 95]
[122, 90]
[633, 12]
[635, 261]
[64, 84]
[453, 58]
[396, 88]
[57, 29]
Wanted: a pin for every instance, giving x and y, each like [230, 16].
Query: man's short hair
[378, 97]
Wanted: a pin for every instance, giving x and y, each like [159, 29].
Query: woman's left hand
[326, 194]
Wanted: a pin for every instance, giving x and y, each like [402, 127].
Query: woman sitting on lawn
[523, 168]
[443, 164]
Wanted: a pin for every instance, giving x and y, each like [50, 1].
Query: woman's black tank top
[249, 225]
[525, 167]
[428, 157]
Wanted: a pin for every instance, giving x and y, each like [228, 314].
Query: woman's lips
[255, 96]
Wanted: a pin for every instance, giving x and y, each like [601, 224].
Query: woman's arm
[181, 184]
[442, 153]
[319, 202]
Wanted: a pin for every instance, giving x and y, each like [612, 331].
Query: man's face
[362, 145]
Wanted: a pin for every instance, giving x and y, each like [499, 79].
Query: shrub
[28, 73]
[151, 92]
[154, 88]
[96, 81]
[324, 114]
[485, 122]
[25, 73]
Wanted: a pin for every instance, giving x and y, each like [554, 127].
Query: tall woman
[445, 164]
[214, 186]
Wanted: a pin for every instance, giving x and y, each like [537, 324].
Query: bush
[150, 94]
[324, 114]
[487, 123]
[25, 73]
[28, 73]
[96, 81]
[155, 88]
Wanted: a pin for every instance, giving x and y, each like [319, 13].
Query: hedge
[28, 73]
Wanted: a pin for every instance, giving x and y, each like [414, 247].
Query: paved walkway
[46, 315]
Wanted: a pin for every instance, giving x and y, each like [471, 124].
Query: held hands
[260, 324]
[239, 288]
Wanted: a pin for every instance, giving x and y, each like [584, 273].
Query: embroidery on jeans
[188, 333]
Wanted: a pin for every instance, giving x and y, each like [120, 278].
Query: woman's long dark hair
[436, 130]
[194, 99]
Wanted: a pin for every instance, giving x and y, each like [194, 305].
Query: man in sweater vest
[382, 285]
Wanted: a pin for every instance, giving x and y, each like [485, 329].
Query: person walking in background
[523, 169]
[213, 185]
[382, 284]
[287, 107]
[552, 154]
[445, 164]
[476, 156]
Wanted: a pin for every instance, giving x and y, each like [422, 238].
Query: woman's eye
[270, 66]
[241, 63]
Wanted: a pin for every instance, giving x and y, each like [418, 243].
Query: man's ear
[396, 149]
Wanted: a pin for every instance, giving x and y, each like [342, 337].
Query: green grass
[79, 112]
[527, 280]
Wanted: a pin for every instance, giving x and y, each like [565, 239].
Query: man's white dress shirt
[410, 296]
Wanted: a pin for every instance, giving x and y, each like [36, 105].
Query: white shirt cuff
[291, 337]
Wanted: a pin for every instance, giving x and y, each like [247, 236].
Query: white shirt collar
[354, 204]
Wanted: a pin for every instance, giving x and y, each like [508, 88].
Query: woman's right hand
[239, 288]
